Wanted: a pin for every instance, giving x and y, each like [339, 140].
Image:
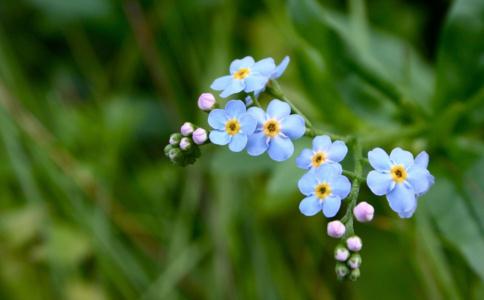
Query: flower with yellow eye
[231, 125]
[324, 189]
[323, 151]
[245, 75]
[401, 178]
[276, 128]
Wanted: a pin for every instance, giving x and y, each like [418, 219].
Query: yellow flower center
[271, 128]
[232, 127]
[322, 190]
[318, 159]
[399, 174]
[242, 73]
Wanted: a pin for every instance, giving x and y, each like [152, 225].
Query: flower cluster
[244, 125]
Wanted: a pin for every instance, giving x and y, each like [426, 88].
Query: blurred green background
[90, 91]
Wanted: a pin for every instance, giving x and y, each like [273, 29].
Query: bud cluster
[348, 259]
[183, 148]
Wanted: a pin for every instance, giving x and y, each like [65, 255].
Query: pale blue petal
[379, 160]
[234, 87]
[310, 206]
[293, 126]
[238, 142]
[280, 68]
[307, 183]
[278, 109]
[219, 137]
[264, 67]
[217, 119]
[327, 172]
[257, 144]
[379, 183]
[258, 114]
[402, 200]
[337, 151]
[235, 108]
[321, 143]
[401, 157]
[331, 206]
[340, 186]
[255, 82]
[222, 82]
[422, 160]
[280, 148]
[303, 161]
[419, 179]
[245, 62]
[248, 124]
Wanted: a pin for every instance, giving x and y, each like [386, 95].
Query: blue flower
[231, 125]
[324, 189]
[276, 73]
[323, 152]
[245, 75]
[275, 131]
[401, 178]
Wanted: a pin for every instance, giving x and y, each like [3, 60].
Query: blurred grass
[91, 90]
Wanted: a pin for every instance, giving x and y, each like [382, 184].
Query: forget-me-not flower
[276, 73]
[323, 151]
[276, 128]
[245, 75]
[401, 178]
[324, 188]
[231, 125]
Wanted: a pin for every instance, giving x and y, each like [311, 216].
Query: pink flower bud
[199, 136]
[364, 212]
[206, 101]
[341, 254]
[184, 143]
[354, 243]
[186, 129]
[336, 229]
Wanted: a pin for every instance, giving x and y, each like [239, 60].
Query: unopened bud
[206, 101]
[355, 274]
[185, 143]
[186, 129]
[355, 261]
[199, 136]
[341, 253]
[341, 270]
[354, 243]
[363, 212]
[175, 138]
[336, 229]
[174, 154]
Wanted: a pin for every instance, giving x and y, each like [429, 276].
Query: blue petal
[280, 148]
[402, 200]
[303, 161]
[293, 126]
[340, 186]
[379, 183]
[321, 143]
[278, 109]
[379, 159]
[310, 206]
[327, 172]
[248, 124]
[331, 206]
[217, 119]
[337, 151]
[258, 113]
[280, 68]
[245, 62]
[422, 160]
[235, 108]
[401, 157]
[257, 144]
[255, 82]
[419, 179]
[307, 183]
[221, 83]
[234, 87]
[248, 101]
[264, 67]
[219, 137]
[238, 142]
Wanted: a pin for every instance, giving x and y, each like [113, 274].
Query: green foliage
[90, 92]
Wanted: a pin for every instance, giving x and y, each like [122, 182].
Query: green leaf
[460, 65]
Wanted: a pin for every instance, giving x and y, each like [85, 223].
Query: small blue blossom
[245, 75]
[401, 178]
[324, 189]
[276, 73]
[231, 125]
[275, 131]
[323, 151]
